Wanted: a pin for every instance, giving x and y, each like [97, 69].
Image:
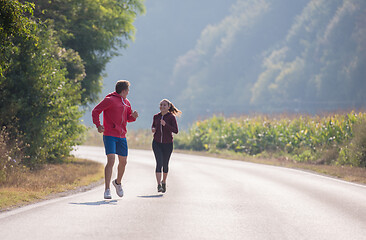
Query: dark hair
[175, 111]
[122, 85]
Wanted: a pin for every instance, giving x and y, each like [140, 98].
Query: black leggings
[162, 152]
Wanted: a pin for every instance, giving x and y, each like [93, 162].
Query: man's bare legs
[109, 169]
[121, 168]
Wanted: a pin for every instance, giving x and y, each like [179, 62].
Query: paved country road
[206, 198]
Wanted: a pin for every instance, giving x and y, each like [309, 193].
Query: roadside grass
[52, 180]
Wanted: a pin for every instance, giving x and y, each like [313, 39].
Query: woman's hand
[153, 130]
[162, 122]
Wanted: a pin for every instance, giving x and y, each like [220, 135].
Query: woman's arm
[153, 127]
[172, 125]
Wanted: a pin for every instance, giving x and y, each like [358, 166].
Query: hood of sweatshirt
[114, 94]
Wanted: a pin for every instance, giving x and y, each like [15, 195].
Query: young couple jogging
[117, 112]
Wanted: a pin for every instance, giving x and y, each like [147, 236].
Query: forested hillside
[244, 56]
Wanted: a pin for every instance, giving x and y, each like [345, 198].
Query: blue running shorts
[115, 145]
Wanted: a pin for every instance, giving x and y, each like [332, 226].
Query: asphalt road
[206, 198]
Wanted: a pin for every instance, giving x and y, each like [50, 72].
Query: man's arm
[131, 116]
[97, 111]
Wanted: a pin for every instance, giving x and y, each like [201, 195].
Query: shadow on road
[104, 202]
[152, 196]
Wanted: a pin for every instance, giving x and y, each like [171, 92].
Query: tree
[14, 28]
[95, 29]
[51, 63]
[39, 101]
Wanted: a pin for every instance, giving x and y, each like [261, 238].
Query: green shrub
[354, 152]
[324, 139]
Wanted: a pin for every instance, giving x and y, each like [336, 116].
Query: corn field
[333, 139]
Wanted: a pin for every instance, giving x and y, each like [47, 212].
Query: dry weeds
[25, 186]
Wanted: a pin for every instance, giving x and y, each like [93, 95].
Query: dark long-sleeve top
[164, 134]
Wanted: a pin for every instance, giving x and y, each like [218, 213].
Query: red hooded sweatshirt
[116, 113]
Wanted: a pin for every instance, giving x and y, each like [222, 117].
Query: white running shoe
[107, 194]
[118, 187]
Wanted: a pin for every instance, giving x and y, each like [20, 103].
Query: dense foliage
[95, 29]
[336, 139]
[42, 79]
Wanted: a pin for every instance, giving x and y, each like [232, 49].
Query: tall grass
[11, 154]
[333, 139]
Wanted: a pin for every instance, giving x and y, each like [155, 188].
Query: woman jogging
[163, 126]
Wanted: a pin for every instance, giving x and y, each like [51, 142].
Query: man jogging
[116, 113]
